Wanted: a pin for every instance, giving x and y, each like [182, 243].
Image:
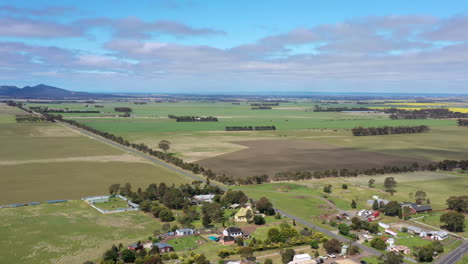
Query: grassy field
[437, 185]
[74, 180]
[70, 233]
[293, 199]
[113, 204]
[45, 161]
[185, 243]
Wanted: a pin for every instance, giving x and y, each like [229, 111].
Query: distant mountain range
[43, 91]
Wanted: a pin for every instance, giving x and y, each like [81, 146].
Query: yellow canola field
[453, 109]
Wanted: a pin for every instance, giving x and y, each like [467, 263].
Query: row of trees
[123, 109]
[122, 255]
[249, 128]
[60, 110]
[387, 130]
[340, 109]
[29, 119]
[462, 122]
[458, 203]
[427, 113]
[193, 118]
[264, 104]
[446, 165]
[261, 108]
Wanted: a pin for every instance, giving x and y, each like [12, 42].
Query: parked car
[331, 256]
[322, 257]
[319, 261]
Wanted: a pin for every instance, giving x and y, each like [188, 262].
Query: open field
[74, 180]
[68, 233]
[272, 156]
[113, 204]
[195, 141]
[45, 161]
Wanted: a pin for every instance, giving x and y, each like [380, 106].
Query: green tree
[390, 185]
[391, 258]
[264, 206]
[392, 208]
[259, 220]
[420, 196]
[166, 215]
[458, 203]
[454, 221]
[110, 255]
[128, 256]
[343, 229]
[268, 261]
[371, 183]
[240, 241]
[376, 205]
[378, 243]
[164, 145]
[353, 204]
[287, 255]
[274, 235]
[327, 189]
[344, 186]
[353, 250]
[223, 253]
[206, 220]
[246, 252]
[114, 189]
[314, 244]
[332, 246]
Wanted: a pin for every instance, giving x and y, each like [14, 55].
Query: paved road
[454, 256]
[450, 257]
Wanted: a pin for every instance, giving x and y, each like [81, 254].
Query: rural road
[454, 256]
[450, 258]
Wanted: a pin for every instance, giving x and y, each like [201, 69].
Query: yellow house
[243, 215]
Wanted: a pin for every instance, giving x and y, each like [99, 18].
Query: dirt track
[272, 156]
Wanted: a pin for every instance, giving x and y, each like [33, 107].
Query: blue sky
[236, 46]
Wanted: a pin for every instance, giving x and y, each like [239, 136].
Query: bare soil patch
[272, 156]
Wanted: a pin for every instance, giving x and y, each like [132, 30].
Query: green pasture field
[450, 142]
[74, 180]
[464, 260]
[185, 243]
[315, 121]
[113, 204]
[295, 203]
[71, 232]
[438, 186]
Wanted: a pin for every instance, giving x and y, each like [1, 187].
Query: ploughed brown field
[272, 156]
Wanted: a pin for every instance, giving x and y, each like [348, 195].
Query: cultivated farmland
[272, 156]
